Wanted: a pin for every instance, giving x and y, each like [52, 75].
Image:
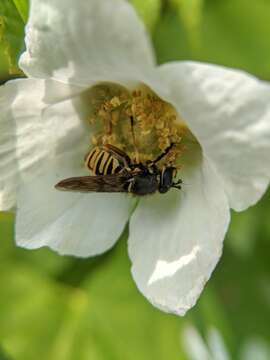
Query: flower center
[137, 122]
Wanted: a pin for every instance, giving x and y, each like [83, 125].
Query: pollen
[137, 122]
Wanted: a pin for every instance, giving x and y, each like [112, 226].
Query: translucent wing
[117, 153]
[99, 183]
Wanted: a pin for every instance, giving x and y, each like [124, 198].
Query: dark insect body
[115, 172]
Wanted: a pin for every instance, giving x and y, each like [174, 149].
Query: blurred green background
[62, 308]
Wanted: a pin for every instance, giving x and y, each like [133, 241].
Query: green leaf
[171, 39]
[22, 8]
[149, 11]
[190, 12]
[236, 33]
[13, 15]
[3, 355]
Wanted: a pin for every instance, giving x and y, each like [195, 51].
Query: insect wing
[99, 183]
[120, 155]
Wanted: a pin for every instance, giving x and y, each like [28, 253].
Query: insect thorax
[143, 184]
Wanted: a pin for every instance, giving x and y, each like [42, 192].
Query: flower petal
[27, 136]
[70, 223]
[176, 239]
[229, 113]
[86, 41]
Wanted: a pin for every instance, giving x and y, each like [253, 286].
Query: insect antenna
[179, 183]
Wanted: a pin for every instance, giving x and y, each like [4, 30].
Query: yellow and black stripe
[101, 162]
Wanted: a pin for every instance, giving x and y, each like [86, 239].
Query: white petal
[85, 41]
[229, 113]
[176, 239]
[70, 223]
[27, 136]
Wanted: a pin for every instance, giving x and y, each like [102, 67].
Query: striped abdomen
[101, 161]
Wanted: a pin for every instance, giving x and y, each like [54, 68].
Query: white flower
[175, 238]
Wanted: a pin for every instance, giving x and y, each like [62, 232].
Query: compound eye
[166, 179]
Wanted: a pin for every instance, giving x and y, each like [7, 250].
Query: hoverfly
[114, 171]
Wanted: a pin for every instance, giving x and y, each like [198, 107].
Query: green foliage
[190, 13]
[233, 33]
[149, 11]
[13, 15]
[65, 308]
[22, 8]
[3, 355]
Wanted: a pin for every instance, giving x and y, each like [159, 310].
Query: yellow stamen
[156, 125]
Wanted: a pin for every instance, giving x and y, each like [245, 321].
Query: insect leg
[165, 152]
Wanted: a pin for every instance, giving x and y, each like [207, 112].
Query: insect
[114, 171]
